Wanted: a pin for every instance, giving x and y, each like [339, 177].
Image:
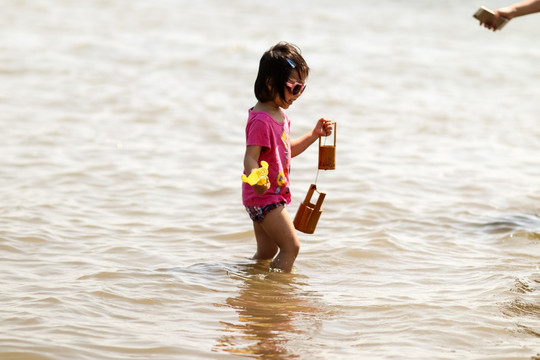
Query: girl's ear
[270, 88]
[269, 84]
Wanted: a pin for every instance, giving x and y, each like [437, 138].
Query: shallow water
[122, 234]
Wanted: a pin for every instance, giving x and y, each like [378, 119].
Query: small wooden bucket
[308, 214]
[327, 153]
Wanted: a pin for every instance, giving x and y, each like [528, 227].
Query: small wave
[511, 224]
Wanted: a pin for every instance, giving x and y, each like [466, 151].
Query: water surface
[122, 234]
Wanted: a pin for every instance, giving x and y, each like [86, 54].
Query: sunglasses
[296, 88]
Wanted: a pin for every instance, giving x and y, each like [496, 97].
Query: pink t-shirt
[273, 136]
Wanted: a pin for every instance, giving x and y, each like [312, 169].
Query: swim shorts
[258, 213]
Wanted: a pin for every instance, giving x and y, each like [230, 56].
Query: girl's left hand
[324, 127]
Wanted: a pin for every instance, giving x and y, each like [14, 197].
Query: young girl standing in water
[280, 81]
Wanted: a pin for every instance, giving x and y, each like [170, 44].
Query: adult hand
[502, 12]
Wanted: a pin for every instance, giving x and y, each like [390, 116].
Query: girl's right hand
[262, 189]
[323, 127]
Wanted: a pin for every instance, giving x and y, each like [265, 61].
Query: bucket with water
[327, 153]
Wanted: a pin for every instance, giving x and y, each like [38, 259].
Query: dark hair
[275, 69]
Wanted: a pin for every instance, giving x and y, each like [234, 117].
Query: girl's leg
[266, 247]
[278, 229]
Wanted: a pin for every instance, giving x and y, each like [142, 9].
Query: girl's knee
[296, 247]
[292, 248]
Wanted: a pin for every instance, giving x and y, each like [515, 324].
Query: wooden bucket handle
[320, 200]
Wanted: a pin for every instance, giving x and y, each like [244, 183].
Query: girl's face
[294, 88]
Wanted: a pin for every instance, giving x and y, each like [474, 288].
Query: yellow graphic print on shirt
[281, 179]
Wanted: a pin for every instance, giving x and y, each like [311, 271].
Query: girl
[280, 81]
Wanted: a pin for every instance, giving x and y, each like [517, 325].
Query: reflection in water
[274, 311]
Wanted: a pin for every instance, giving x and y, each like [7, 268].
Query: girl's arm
[251, 162]
[323, 128]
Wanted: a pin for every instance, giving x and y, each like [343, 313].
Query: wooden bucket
[327, 153]
[308, 214]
